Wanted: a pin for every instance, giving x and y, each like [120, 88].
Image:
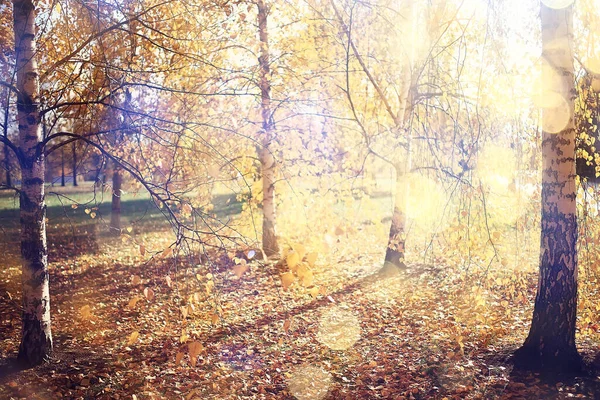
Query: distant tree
[551, 340]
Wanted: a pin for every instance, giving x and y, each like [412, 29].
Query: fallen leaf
[133, 338]
[85, 312]
[178, 357]
[149, 293]
[136, 280]
[240, 269]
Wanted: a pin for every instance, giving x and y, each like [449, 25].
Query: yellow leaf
[74, 206]
[240, 269]
[183, 338]
[87, 211]
[169, 281]
[314, 292]
[209, 286]
[308, 278]
[178, 357]
[184, 311]
[129, 229]
[300, 249]
[311, 258]
[215, 318]
[149, 293]
[93, 215]
[133, 302]
[496, 235]
[133, 338]
[287, 279]
[86, 312]
[136, 280]
[292, 259]
[338, 231]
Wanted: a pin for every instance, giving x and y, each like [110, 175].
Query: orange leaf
[240, 269]
[136, 280]
[178, 357]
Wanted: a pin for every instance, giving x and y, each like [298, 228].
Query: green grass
[136, 208]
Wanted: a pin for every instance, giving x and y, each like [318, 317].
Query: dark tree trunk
[115, 216]
[62, 166]
[551, 341]
[394, 255]
[5, 147]
[74, 149]
[7, 166]
[36, 339]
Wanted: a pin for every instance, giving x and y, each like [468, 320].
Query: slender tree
[551, 340]
[36, 341]
[267, 160]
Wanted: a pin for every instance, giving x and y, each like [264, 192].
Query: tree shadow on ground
[520, 383]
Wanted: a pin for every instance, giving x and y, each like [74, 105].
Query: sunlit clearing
[555, 119]
[426, 200]
[496, 166]
[592, 64]
[557, 4]
[339, 329]
[308, 382]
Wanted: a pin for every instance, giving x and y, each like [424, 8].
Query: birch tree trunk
[267, 161]
[551, 341]
[36, 340]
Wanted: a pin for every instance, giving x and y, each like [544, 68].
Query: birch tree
[36, 342]
[551, 340]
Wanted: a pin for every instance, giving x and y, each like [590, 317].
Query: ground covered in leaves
[132, 321]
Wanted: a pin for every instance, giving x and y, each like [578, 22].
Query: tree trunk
[267, 161]
[5, 147]
[551, 341]
[115, 216]
[62, 167]
[74, 164]
[394, 255]
[7, 166]
[36, 340]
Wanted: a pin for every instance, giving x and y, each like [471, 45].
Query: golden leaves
[287, 279]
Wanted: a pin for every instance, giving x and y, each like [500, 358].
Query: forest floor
[129, 326]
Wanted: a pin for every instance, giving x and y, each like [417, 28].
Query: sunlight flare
[339, 328]
[308, 382]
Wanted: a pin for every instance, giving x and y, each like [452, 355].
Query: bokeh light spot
[308, 382]
[555, 119]
[557, 4]
[339, 329]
